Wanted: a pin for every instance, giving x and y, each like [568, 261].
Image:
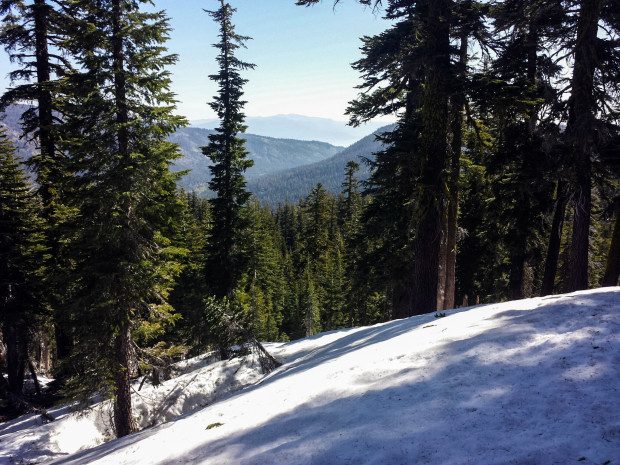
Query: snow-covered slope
[528, 382]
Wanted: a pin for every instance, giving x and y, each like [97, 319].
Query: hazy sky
[303, 55]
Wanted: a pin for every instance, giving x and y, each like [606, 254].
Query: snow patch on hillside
[527, 382]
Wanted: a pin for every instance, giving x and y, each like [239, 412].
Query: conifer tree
[262, 282]
[580, 130]
[22, 263]
[225, 256]
[521, 96]
[33, 35]
[124, 260]
[190, 288]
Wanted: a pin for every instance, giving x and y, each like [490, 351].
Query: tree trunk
[612, 267]
[123, 418]
[555, 240]
[455, 174]
[49, 171]
[15, 335]
[434, 147]
[35, 378]
[582, 106]
[443, 261]
[516, 281]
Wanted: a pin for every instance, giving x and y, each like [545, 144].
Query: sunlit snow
[527, 382]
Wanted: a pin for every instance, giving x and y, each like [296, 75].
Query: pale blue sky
[303, 55]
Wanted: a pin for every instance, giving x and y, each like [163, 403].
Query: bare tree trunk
[582, 106]
[123, 417]
[555, 240]
[35, 379]
[455, 174]
[612, 267]
[15, 334]
[434, 146]
[443, 261]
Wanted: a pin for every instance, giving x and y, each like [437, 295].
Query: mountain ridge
[270, 154]
[301, 127]
[295, 183]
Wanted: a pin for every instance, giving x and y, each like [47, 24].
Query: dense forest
[498, 181]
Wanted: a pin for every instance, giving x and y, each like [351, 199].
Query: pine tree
[34, 33]
[30, 30]
[225, 256]
[262, 282]
[121, 108]
[580, 129]
[525, 166]
[188, 294]
[22, 263]
[413, 60]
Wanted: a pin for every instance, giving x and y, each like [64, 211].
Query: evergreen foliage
[120, 112]
[34, 34]
[225, 255]
[23, 258]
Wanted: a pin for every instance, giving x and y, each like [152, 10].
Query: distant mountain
[301, 128]
[10, 121]
[269, 155]
[296, 183]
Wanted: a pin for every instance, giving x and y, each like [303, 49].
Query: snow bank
[527, 382]
[199, 382]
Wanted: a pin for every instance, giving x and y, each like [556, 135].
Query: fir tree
[521, 96]
[580, 130]
[34, 34]
[22, 264]
[124, 259]
[225, 256]
[262, 283]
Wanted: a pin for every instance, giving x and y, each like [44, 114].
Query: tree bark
[455, 174]
[555, 240]
[15, 335]
[123, 417]
[612, 267]
[582, 106]
[35, 379]
[426, 244]
[443, 262]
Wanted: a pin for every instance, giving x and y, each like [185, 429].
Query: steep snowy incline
[526, 382]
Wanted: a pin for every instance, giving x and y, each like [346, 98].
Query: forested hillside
[269, 155]
[295, 183]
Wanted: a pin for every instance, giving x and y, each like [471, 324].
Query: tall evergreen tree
[225, 255]
[33, 34]
[525, 166]
[22, 263]
[124, 262]
[580, 131]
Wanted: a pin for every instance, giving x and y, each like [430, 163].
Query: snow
[524, 382]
